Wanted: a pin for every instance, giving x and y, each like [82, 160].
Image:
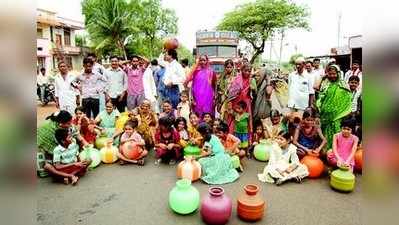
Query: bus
[218, 46]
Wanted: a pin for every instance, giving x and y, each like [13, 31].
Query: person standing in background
[91, 87]
[66, 93]
[174, 77]
[355, 71]
[42, 80]
[98, 68]
[311, 72]
[300, 88]
[135, 88]
[116, 85]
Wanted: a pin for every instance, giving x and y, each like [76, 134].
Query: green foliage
[184, 52]
[81, 40]
[128, 27]
[257, 21]
[294, 57]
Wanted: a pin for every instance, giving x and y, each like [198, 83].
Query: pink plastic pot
[216, 207]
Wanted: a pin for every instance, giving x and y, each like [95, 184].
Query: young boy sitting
[65, 158]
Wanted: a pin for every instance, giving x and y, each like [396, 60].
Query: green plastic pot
[236, 161]
[262, 150]
[342, 179]
[101, 141]
[192, 150]
[184, 198]
[90, 153]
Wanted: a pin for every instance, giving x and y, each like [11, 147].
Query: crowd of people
[171, 105]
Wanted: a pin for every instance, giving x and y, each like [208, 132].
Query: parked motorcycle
[49, 94]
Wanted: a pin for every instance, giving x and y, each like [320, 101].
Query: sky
[196, 15]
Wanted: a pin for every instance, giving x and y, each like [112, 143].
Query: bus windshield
[217, 51]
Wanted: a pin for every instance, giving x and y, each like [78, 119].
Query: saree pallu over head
[240, 90]
[203, 88]
[334, 103]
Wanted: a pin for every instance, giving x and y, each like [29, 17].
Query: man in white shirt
[66, 93]
[317, 69]
[174, 77]
[116, 85]
[42, 80]
[313, 76]
[300, 89]
[355, 71]
[100, 69]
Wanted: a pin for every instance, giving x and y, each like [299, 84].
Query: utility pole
[281, 48]
[271, 48]
[339, 28]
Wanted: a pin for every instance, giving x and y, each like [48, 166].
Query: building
[56, 41]
[345, 55]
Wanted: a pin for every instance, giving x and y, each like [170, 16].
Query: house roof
[51, 18]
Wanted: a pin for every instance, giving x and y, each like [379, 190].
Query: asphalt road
[129, 194]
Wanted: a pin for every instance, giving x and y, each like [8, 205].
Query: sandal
[140, 162]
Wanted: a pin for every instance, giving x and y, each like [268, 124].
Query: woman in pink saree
[240, 90]
[203, 87]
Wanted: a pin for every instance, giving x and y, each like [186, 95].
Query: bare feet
[74, 180]
[66, 180]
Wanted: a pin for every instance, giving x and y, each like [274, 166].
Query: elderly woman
[262, 104]
[334, 103]
[147, 123]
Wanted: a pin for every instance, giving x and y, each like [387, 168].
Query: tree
[257, 21]
[108, 23]
[81, 40]
[128, 27]
[156, 23]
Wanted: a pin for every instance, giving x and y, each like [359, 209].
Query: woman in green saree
[223, 83]
[334, 103]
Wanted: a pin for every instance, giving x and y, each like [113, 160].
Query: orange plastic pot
[359, 160]
[250, 205]
[131, 150]
[314, 164]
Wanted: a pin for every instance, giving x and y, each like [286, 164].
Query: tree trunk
[257, 53]
[122, 47]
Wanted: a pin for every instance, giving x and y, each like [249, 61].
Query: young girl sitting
[229, 141]
[216, 124]
[89, 130]
[167, 148]
[65, 158]
[283, 163]
[181, 126]
[194, 135]
[273, 124]
[167, 110]
[241, 124]
[131, 135]
[308, 137]
[183, 108]
[79, 116]
[259, 134]
[344, 146]
[107, 118]
[217, 167]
